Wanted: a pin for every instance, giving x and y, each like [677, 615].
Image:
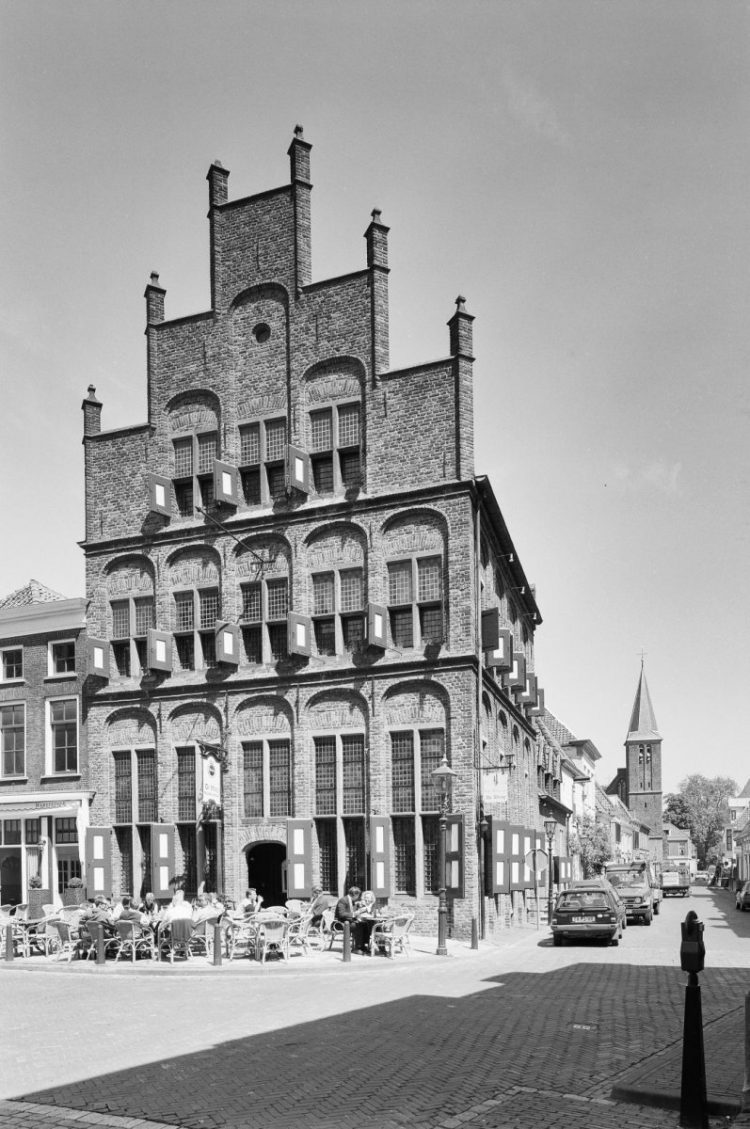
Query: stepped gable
[642, 720]
[31, 593]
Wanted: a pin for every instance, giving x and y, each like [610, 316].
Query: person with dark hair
[346, 910]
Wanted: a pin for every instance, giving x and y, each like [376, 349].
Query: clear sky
[578, 170]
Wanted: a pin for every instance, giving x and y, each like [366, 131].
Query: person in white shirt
[178, 910]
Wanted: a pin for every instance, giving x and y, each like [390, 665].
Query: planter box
[37, 899]
[74, 897]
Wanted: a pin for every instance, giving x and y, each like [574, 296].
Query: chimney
[377, 241]
[461, 333]
[92, 413]
[154, 295]
[218, 185]
[299, 157]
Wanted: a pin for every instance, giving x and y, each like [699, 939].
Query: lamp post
[550, 826]
[443, 777]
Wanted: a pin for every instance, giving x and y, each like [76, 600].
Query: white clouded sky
[578, 170]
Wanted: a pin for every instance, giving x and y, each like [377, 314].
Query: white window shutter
[160, 494]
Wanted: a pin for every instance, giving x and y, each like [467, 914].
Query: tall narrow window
[186, 784]
[123, 788]
[325, 775]
[415, 599]
[147, 796]
[131, 621]
[336, 448]
[12, 664]
[267, 778]
[13, 739]
[195, 615]
[193, 471]
[64, 735]
[415, 802]
[262, 461]
[338, 610]
[265, 606]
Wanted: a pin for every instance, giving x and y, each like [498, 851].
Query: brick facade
[390, 520]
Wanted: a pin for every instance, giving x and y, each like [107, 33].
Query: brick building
[44, 797]
[301, 597]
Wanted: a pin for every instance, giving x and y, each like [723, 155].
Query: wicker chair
[392, 935]
[273, 937]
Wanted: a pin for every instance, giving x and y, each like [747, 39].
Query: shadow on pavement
[580, 1031]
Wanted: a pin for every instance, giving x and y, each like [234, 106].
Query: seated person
[101, 913]
[204, 910]
[216, 904]
[128, 912]
[346, 911]
[251, 902]
[318, 905]
[365, 913]
[178, 909]
[149, 907]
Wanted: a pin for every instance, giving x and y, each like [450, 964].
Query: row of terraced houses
[301, 599]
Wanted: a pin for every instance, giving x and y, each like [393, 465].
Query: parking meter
[692, 949]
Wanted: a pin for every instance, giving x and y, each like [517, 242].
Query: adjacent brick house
[301, 597]
[44, 795]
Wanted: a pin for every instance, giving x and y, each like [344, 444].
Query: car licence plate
[582, 920]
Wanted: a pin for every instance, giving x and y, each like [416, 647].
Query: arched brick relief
[128, 728]
[258, 333]
[267, 716]
[335, 710]
[416, 704]
[275, 553]
[332, 381]
[193, 568]
[194, 722]
[255, 835]
[197, 410]
[336, 544]
[131, 575]
[416, 531]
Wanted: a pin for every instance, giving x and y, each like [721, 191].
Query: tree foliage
[592, 843]
[701, 808]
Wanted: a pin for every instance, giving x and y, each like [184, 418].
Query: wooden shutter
[299, 857]
[228, 643]
[299, 634]
[490, 629]
[377, 626]
[528, 697]
[97, 657]
[497, 862]
[517, 678]
[516, 857]
[159, 650]
[98, 862]
[160, 494]
[502, 656]
[529, 841]
[538, 709]
[162, 859]
[226, 483]
[298, 469]
[454, 856]
[563, 870]
[380, 855]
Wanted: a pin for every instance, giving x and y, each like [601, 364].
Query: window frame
[265, 467]
[414, 606]
[22, 775]
[4, 651]
[135, 755]
[201, 481]
[418, 861]
[337, 452]
[202, 637]
[50, 730]
[136, 642]
[339, 737]
[273, 630]
[52, 672]
[268, 810]
[337, 618]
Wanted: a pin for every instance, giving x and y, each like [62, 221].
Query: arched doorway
[10, 877]
[266, 871]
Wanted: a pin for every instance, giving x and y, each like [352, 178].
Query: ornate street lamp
[550, 826]
[443, 776]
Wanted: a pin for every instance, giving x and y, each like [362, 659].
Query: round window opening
[261, 333]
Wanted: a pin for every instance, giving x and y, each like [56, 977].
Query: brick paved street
[518, 1036]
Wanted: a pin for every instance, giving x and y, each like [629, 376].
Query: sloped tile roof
[642, 719]
[31, 593]
[745, 793]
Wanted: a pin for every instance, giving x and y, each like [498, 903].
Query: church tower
[643, 764]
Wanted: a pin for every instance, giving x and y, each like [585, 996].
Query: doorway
[266, 871]
[10, 877]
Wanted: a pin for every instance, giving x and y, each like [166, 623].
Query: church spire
[642, 720]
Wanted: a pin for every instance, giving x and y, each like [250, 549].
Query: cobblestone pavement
[511, 1037]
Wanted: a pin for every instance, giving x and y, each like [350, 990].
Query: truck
[675, 879]
[636, 884]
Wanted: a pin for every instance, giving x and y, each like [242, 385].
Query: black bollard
[9, 954]
[693, 1099]
[217, 944]
[474, 934]
[347, 955]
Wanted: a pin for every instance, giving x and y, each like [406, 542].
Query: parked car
[590, 908]
[742, 898]
[701, 878]
[636, 884]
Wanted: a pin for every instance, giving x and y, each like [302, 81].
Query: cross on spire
[643, 655]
